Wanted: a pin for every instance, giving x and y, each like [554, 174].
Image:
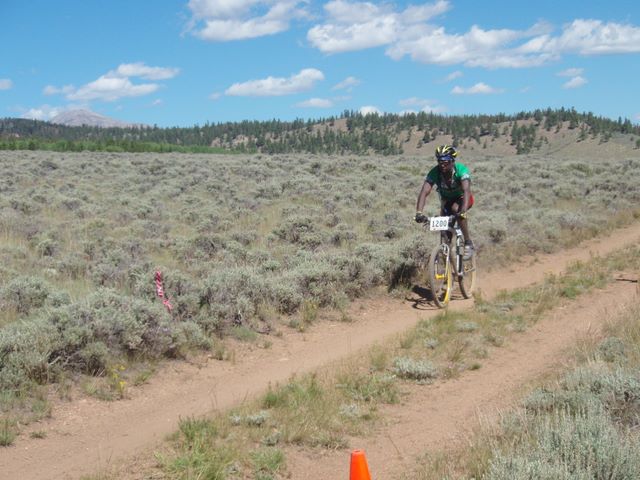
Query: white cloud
[111, 89]
[345, 12]
[412, 32]
[413, 101]
[571, 72]
[5, 84]
[275, 86]
[144, 71]
[434, 109]
[424, 105]
[476, 48]
[594, 37]
[348, 83]
[51, 90]
[478, 88]
[225, 20]
[43, 112]
[315, 103]
[359, 25]
[575, 82]
[370, 109]
[220, 8]
[157, 102]
[116, 84]
[453, 75]
[215, 96]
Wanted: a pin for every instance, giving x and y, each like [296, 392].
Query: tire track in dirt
[440, 416]
[88, 435]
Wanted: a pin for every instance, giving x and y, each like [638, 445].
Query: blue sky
[188, 62]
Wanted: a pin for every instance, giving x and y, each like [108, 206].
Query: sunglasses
[445, 159]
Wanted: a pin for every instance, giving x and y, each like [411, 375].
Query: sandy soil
[88, 435]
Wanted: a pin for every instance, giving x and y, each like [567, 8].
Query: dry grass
[322, 410]
[245, 240]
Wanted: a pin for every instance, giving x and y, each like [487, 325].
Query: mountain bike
[446, 262]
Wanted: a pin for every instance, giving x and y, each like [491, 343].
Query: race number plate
[438, 223]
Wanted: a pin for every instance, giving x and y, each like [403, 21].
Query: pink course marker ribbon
[160, 291]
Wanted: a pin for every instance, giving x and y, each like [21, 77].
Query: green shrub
[342, 234]
[233, 295]
[612, 349]
[371, 387]
[585, 445]
[27, 354]
[7, 433]
[202, 247]
[408, 368]
[466, 327]
[24, 294]
[94, 356]
[317, 280]
[267, 462]
[183, 292]
[47, 247]
[85, 336]
[285, 295]
[26, 207]
[58, 299]
[301, 230]
[356, 274]
[72, 265]
[544, 400]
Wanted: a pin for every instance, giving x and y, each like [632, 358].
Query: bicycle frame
[456, 261]
[446, 236]
[445, 265]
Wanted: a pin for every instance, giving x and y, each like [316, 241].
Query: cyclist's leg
[464, 226]
[445, 210]
[454, 206]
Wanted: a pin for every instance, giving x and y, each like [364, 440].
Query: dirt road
[439, 417]
[87, 435]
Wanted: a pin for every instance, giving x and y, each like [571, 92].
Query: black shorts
[446, 205]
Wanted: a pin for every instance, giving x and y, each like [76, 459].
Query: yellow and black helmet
[446, 152]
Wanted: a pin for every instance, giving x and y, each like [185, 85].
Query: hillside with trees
[350, 133]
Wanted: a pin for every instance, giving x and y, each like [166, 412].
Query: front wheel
[467, 278]
[440, 276]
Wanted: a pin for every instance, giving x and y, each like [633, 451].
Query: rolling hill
[543, 131]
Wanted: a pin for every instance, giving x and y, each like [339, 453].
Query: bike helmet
[446, 152]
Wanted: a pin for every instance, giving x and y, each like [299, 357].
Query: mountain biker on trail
[453, 182]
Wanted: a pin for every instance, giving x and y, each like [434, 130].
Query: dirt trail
[440, 416]
[88, 435]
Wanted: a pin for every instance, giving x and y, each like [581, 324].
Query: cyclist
[453, 182]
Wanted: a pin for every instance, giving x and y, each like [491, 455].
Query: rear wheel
[467, 278]
[440, 276]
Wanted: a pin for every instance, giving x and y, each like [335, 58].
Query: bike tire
[440, 276]
[467, 279]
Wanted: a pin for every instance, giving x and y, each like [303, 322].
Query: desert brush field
[255, 248]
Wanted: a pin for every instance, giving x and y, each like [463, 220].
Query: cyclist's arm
[422, 196]
[466, 195]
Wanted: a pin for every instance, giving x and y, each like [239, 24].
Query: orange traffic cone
[359, 468]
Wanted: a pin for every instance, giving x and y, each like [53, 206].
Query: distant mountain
[78, 118]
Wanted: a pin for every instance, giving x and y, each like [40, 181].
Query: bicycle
[445, 267]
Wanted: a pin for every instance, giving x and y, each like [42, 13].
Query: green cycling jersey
[453, 190]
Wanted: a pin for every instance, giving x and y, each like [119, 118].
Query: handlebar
[452, 218]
